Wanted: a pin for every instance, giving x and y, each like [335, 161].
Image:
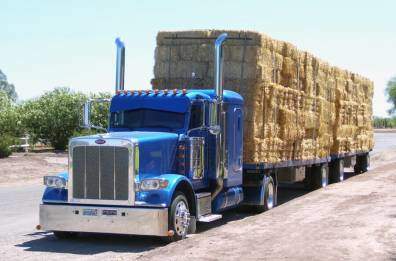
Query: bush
[9, 117]
[5, 143]
[9, 124]
[54, 117]
[57, 116]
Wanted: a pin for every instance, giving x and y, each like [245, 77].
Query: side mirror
[87, 115]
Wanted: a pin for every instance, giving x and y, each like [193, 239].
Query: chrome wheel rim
[324, 177]
[182, 219]
[270, 199]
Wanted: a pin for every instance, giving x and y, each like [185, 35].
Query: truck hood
[157, 150]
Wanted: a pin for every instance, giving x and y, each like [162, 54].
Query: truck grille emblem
[100, 141]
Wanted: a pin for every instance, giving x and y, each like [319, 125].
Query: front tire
[179, 217]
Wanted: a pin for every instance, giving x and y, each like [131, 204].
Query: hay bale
[296, 105]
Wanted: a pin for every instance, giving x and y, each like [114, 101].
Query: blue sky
[71, 43]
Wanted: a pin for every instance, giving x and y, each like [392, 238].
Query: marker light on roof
[125, 92]
[184, 91]
[147, 92]
[139, 92]
[118, 92]
[156, 91]
[166, 91]
[174, 91]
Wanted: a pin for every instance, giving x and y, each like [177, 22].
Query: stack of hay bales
[297, 107]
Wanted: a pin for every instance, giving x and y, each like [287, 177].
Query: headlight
[153, 184]
[55, 182]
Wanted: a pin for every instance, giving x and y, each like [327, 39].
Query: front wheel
[179, 217]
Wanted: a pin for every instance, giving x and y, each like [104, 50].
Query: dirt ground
[354, 220]
[31, 167]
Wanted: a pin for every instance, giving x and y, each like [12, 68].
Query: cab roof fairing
[178, 102]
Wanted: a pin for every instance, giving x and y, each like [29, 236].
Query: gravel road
[355, 219]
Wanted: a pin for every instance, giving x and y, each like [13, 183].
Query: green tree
[8, 88]
[9, 124]
[391, 93]
[54, 117]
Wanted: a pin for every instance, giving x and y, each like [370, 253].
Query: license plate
[109, 212]
[90, 212]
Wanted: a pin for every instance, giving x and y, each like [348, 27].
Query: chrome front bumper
[115, 220]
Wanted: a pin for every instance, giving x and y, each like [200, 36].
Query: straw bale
[296, 105]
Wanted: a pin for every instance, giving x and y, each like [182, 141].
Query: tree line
[51, 119]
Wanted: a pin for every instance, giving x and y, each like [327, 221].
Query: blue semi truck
[167, 160]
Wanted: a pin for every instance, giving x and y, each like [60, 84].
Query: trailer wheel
[317, 176]
[269, 198]
[179, 217]
[64, 234]
[362, 163]
[337, 171]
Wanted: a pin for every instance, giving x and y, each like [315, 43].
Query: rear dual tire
[362, 163]
[317, 176]
[337, 171]
[269, 196]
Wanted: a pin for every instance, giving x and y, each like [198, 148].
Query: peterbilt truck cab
[168, 159]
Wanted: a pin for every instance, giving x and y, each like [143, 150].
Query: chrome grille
[100, 172]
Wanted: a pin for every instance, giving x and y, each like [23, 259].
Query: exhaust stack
[221, 170]
[218, 73]
[120, 65]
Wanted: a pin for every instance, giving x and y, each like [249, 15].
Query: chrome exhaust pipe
[218, 73]
[221, 170]
[120, 65]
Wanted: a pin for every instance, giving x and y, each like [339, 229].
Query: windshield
[147, 119]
